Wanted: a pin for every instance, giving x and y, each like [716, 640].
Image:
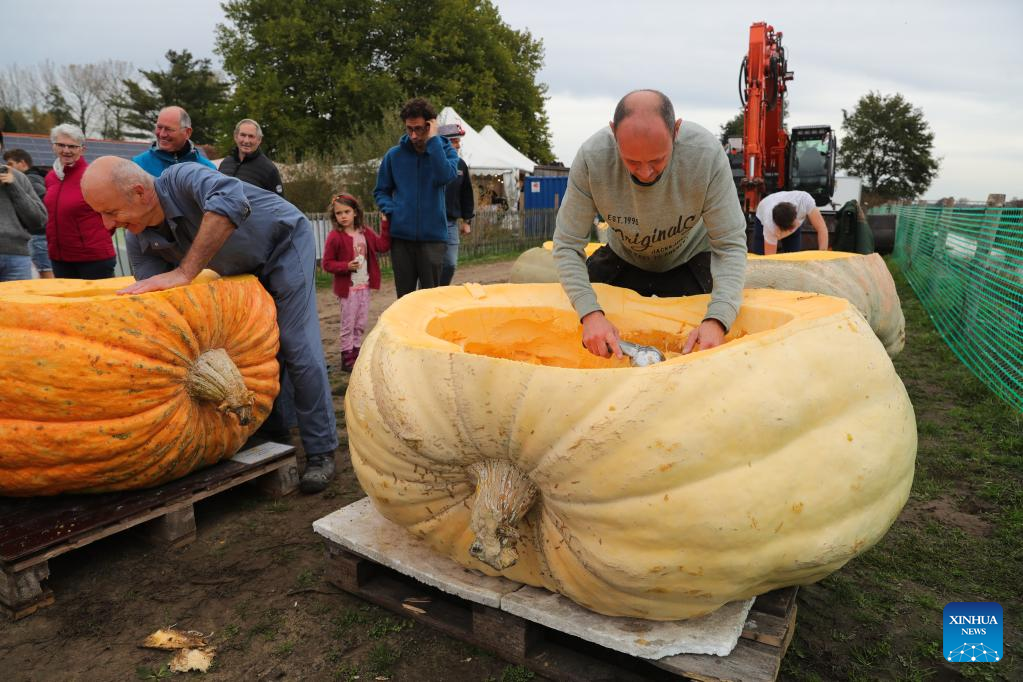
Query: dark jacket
[410, 189]
[460, 201]
[74, 232]
[38, 182]
[339, 250]
[155, 161]
[254, 169]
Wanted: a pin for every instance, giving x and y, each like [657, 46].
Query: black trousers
[692, 277]
[417, 265]
[90, 269]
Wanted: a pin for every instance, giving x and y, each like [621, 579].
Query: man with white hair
[79, 245]
[193, 217]
[247, 163]
[22, 214]
[173, 143]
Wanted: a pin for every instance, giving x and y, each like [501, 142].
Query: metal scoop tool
[641, 356]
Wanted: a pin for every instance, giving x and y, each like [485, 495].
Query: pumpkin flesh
[864, 280]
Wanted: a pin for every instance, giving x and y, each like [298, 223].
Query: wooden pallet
[35, 530]
[768, 631]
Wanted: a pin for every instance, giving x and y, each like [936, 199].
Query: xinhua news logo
[972, 632]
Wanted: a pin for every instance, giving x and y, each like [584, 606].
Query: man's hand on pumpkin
[709, 334]
[600, 336]
[167, 280]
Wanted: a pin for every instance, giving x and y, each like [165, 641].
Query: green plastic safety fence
[966, 266]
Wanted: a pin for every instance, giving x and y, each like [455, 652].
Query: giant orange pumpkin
[102, 392]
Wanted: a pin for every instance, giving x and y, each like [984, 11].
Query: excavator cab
[811, 162]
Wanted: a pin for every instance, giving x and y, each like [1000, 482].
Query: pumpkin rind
[863, 280]
[663, 492]
[95, 390]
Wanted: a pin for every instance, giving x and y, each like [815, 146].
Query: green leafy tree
[736, 126]
[56, 104]
[187, 82]
[32, 120]
[889, 144]
[313, 72]
[733, 127]
[460, 53]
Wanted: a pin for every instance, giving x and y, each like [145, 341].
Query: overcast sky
[960, 62]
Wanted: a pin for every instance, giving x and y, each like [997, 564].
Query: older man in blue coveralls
[193, 217]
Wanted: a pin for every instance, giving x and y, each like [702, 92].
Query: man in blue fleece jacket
[410, 191]
[173, 144]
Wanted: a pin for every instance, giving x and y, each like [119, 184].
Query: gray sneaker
[319, 472]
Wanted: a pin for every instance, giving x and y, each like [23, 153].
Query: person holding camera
[38, 251]
[22, 214]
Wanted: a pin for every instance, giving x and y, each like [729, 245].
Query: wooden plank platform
[34, 530]
[757, 656]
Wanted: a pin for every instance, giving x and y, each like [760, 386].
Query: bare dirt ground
[252, 580]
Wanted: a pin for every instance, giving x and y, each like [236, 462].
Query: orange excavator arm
[762, 88]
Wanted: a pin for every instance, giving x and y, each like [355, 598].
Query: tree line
[316, 74]
[325, 78]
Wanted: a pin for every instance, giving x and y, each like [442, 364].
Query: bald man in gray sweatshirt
[675, 227]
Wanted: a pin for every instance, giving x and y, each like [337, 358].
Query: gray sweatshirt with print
[693, 207]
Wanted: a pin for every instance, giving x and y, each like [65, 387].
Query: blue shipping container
[544, 191]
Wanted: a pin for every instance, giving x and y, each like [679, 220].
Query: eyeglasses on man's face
[166, 129]
[417, 130]
[69, 147]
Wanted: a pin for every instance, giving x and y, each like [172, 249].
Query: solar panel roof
[41, 151]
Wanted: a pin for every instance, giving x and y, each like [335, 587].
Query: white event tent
[494, 138]
[489, 154]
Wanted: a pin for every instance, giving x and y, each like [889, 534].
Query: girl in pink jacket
[350, 254]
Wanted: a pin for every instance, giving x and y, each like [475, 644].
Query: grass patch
[344, 623]
[305, 579]
[346, 672]
[229, 632]
[160, 673]
[381, 660]
[284, 649]
[516, 673]
[880, 617]
[269, 625]
[387, 626]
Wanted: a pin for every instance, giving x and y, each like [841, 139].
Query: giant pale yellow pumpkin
[477, 421]
[102, 392]
[864, 280]
[536, 265]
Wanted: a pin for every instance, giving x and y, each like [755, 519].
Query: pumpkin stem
[215, 377]
[503, 496]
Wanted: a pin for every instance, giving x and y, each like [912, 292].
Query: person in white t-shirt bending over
[779, 217]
